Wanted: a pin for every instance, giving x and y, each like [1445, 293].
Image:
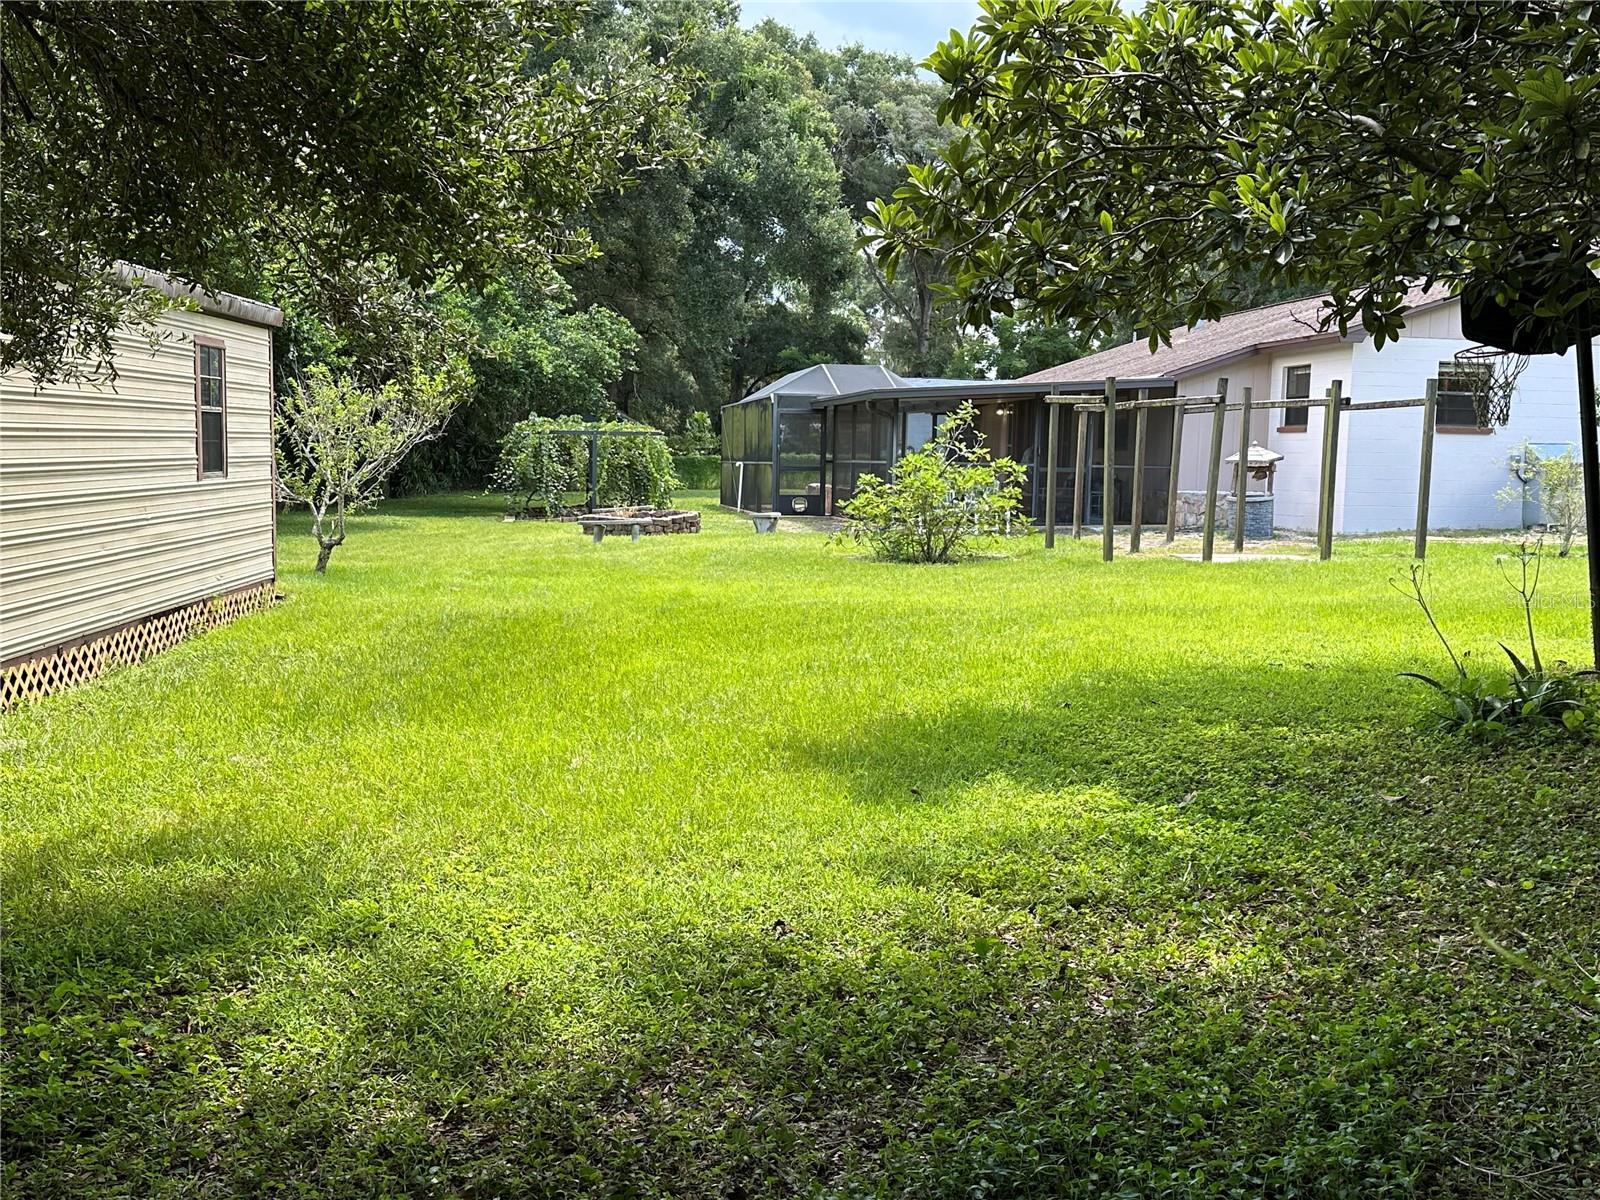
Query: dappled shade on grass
[500, 863]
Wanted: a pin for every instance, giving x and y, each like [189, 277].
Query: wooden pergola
[1333, 401]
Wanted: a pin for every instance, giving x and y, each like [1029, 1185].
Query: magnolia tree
[942, 497]
[338, 441]
[1116, 165]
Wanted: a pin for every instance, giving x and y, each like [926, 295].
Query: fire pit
[638, 522]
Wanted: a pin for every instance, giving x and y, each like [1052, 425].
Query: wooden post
[1108, 437]
[1140, 421]
[1330, 468]
[1050, 473]
[1213, 470]
[1430, 398]
[1243, 479]
[1080, 473]
[1172, 473]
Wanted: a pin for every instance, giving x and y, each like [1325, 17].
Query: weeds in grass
[1529, 697]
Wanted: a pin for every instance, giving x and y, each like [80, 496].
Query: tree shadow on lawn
[1056, 951]
[1309, 884]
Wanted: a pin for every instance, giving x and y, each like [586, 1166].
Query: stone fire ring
[638, 522]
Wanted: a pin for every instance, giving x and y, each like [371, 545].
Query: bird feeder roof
[1260, 456]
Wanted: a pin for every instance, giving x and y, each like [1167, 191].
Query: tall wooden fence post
[1330, 468]
[1214, 469]
[1430, 399]
[1108, 508]
[1243, 474]
[1172, 472]
[1141, 420]
[1050, 473]
[1080, 473]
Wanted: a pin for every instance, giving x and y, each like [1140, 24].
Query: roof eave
[1273, 347]
[218, 304]
[995, 389]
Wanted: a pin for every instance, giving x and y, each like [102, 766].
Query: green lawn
[498, 864]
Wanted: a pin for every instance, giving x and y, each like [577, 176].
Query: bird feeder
[1262, 463]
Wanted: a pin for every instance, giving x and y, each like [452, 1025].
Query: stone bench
[638, 522]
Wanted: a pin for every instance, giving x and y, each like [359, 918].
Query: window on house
[211, 413]
[1460, 384]
[1296, 386]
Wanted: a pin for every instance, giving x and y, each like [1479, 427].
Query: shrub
[538, 467]
[699, 471]
[541, 462]
[1531, 698]
[1560, 480]
[634, 470]
[696, 438]
[942, 498]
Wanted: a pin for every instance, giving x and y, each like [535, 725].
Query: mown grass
[500, 864]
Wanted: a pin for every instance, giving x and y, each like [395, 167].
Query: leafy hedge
[701, 472]
[541, 462]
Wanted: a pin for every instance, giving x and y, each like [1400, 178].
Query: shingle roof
[1234, 336]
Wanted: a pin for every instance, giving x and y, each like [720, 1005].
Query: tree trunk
[924, 315]
[324, 553]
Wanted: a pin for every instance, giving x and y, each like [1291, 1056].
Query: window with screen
[1459, 386]
[211, 411]
[1296, 386]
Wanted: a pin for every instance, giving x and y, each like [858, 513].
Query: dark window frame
[1296, 417]
[202, 342]
[1446, 414]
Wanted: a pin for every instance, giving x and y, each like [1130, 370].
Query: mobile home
[137, 509]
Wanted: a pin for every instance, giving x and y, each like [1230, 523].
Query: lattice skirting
[133, 643]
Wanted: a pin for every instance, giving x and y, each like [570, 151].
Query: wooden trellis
[133, 643]
[1334, 403]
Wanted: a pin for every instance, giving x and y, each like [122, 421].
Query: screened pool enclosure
[800, 444]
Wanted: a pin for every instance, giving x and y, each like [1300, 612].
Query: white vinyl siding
[102, 517]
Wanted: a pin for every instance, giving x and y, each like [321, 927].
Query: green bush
[538, 466]
[696, 437]
[541, 462]
[635, 470]
[701, 472]
[943, 497]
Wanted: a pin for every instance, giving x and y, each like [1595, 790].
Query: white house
[1280, 352]
[136, 510]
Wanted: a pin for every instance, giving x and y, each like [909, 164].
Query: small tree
[1560, 480]
[941, 498]
[339, 441]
